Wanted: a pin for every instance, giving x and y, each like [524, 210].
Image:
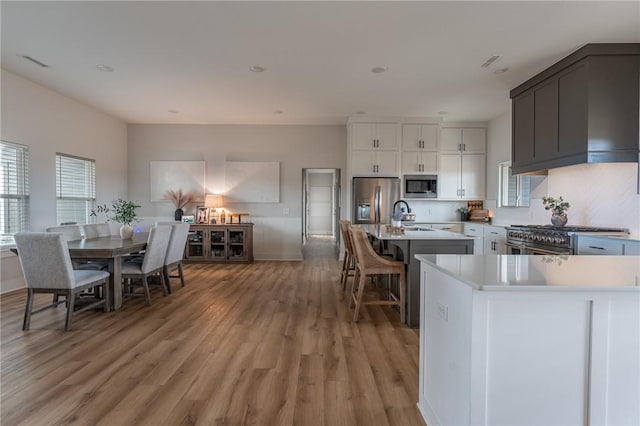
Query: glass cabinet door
[217, 239]
[236, 244]
[195, 244]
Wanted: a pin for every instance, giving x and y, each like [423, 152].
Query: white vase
[126, 232]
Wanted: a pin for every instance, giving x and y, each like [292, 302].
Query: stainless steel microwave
[420, 186]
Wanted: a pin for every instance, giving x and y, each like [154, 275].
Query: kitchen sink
[417, 228]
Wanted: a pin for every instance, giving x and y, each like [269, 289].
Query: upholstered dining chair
[47, 268]
[151, 265]
[70, 232]
[175, 252]
[96, 230]
[369, 263]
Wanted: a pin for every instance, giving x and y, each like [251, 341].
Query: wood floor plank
[266, 343]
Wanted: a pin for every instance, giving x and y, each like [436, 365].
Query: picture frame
[188, 219]
[202, 214]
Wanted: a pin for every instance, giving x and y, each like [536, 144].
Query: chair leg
[345, 266]
[354, 287]
[403, 297]
[147, 294]
[165, 283]
[166, 273]
[181, 274]
[361, 284]
[71, 297]
[27, 310]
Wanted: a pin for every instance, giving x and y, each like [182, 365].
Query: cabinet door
[237, 249]
[572, 109]
[411, 162]
[218, 244]
[429, 162]
[196, 245]
[387, 136]
[387, 163]
[363, 162]
[522, 132]
[472, 179]
[411, 137]
[474, 140]
[545, 126]
[449, 175]
[363, 135]
[600, 246]
[451, 139]
[429, 136]
[631, 248]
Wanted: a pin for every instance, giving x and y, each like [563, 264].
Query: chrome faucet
[401, 202]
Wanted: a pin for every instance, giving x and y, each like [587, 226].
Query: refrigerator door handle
[377, 205]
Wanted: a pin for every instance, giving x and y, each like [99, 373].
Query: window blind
[14, 190]
[75, 189]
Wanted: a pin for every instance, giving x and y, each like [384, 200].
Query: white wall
[49, 122]
[602, 194]
[278, 226]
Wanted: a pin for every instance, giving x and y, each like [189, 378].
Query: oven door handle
[534, 250]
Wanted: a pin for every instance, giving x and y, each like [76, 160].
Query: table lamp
[213, 202]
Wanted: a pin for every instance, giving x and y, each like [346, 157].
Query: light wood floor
[268, 343]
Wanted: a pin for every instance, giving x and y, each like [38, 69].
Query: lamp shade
[213, 201]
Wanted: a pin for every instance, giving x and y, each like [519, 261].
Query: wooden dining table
[110, 249]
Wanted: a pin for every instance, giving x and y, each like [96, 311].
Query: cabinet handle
[464, 146]
[597, 248]
[463, 192]
[459, 147]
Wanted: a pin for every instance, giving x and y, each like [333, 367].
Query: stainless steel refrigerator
[373, 199]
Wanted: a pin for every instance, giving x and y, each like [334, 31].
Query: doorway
[321, 205]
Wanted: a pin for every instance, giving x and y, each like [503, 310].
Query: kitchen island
[418, 240]
[551, 340]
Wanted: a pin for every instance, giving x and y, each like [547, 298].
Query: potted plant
[558, 209]
[121, 211]
[179, 199]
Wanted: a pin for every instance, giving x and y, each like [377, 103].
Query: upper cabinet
[418, 137]
[471, 140]
[584, 109]
[382, 136]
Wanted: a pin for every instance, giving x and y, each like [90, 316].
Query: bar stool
[369, 263]
[349, 262]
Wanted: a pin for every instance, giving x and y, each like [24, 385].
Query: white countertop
[516, 272]
[380, 232]
[627, 237]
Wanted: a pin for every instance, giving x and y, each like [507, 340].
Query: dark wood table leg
[115, 281]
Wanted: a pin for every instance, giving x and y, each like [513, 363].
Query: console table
[226, 243]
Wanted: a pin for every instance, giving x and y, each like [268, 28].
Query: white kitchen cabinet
[463, 139]
[600, 245]
[477, 232]
[374, 136]
[420, 137]
[495, 240]
[419, 162]
[374, 163]
[461, 176]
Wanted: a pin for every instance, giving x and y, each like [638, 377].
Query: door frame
[335, 202]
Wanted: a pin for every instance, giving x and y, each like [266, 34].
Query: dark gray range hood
[583, 109]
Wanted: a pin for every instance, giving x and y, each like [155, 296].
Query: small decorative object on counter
[394, 229]
[396, 219]
[179, 199]
[223, 217]
[464, 214]
[558, 209]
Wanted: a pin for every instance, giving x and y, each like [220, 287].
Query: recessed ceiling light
[378, 70]
[501, 70]
[257, 68]
[489, 61]
[105, 68]
[173, 111]
[443, 112]
[360, 112]
[278, 111]
[35, 61]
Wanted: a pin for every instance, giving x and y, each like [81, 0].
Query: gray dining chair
[175, 252]
[152, 264]
[70, 232]
[96, 230]
[47, 268]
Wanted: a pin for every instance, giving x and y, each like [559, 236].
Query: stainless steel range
[547, 239]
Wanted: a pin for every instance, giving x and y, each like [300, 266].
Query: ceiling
[194, 58]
